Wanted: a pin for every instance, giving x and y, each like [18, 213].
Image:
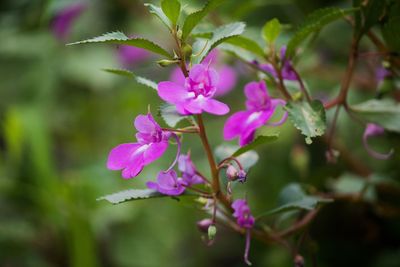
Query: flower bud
[212, 231]
[231, 173]
[242, 176]
[204, 224]
[166, 62]
[179, 34]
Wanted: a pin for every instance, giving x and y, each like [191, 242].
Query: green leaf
[352, 184]
[138, 79]
[246, 44]
[131, 194]
[315, 22]
[122, 39]
[371, 13]
[390, 29]
[309, 118]
[171, 9]
[260, 140]
[158, 12]
[170, 115]
[247, 159]
[223, 33]
[385, 112]
[193, 19]
[271, 30]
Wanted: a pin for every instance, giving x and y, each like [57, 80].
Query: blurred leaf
[271, 30]
[220, 35]
[247, 159]
[158, 12]
[122, 39]
[171, 9]
[315, 22]
[385, 112]
[390, 29]
[353, 184]
[127, 73]
[131, 194]
[13, 133]
[260, 140]
[309, 118]
[193, 19]
[247, 44]
[170, 115]
[371, 13]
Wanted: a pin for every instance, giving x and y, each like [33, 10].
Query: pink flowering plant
[275, 97]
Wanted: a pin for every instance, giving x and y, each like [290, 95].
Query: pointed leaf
[138, 79]
[309, 118]
[131, 194]
[170, 115]
[271, 30]
[260, 140]
[158, 12]
[171, 9]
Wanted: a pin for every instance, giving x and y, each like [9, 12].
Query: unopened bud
[231, 173]
[166, 62]
[204, 224]
[179, 34]
[187, 49]
[212, 231]
[242, 176]
[298, 261]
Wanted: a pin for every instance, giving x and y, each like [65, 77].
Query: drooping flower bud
[212, 231]
[204, 224]
[231, 173]
[242, 176]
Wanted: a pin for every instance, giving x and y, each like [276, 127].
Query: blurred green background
[60, 115]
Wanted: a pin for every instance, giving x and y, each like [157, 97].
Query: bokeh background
[60, 115]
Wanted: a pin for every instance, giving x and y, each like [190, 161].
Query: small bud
[298, 261]
[179, 34]
[212, 231]
[231, 173]
[203, 225]
[242, 176]
[166, 62]
[187, 49]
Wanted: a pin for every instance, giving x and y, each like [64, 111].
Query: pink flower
[188, 170]
[196, 94]
[168, 183]
[63, 20]
[228, 74]
[370, 131]
[259, 109]
[128, 56]
[151, 144]
[287, 68]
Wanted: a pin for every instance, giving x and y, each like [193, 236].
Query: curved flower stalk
[195, 96]
[259, 109]
[168, 183]
[64, 19]
[228, 74]
[287, 68]
[151, 144]
[370, 131]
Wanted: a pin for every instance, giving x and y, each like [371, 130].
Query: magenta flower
[63, 20]
[196, 94]
[168, 183]
[128, 56]
[152, 142]
[228, 74]
[370, 131]
[259, 109]
[287, 67]
[189, 173]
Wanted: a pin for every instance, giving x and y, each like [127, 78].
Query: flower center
[254, 116]
[199, 88]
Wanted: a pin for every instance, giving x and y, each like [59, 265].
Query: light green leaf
[138, 79]
[158, 12]
[315, 22]
[260, 140]
[171, 9]
[223, 33]
[193, 19]
[309, 118]
[131, 194]
[271, 30]
[122, 39]
[170, 115]
[385, 112]
[247, 159]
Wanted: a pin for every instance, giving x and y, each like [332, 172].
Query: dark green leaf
[247, 159]
[315, 22]
[384, 112]
[122, 39]
[130, 74]
[158, 12]
[271, 30]
[170, 115]
[390, 29]
[260, 140]
[309, 118]
[193, 19]
[171, 9]
[371, 13]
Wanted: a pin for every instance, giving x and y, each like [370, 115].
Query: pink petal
[234, 125]
[154, 151]
[197, 72]
[134, 168]
[227, 81]
[145, 123]
[215, 107]
[177, 76]
[172, 92]
[120, 155]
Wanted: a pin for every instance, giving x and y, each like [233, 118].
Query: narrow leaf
[131, 194]
[171, 9]
[271, 30]
[260, 140]
[158, 12]
[138, 79]
[309, 118]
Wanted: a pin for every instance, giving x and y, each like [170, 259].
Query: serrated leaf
[309, 118]
[131, 194]
[171, 9]
[385, 113]
[271, 30]
[193, 19]
[158, 12]
[223, 33]
[170, 115]
[315, 22]
[260, 140]
[121, 39]
[247, 159]
[139, 79]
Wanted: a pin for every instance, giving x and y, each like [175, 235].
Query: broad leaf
[131, 194]
[271, 30]
[130, 74]
[201, 48]
[193, 19]
[260, 140]
[315, 22]
[390, 29]
[122, 39]
[158, 12]
[384, 112]
[171, 9]
[309, 118]
[247, 159]
[170, 115]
